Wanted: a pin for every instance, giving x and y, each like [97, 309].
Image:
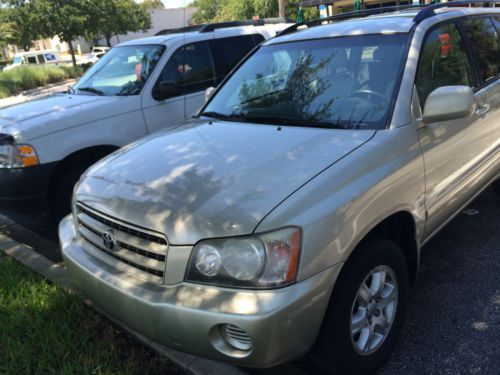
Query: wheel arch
[88, 155]
[401, 228]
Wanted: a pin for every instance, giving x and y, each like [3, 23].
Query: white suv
[137, 88]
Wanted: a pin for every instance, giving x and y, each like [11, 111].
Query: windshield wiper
[292, 121]
[91, 90]
[272, 120]
[223, 116]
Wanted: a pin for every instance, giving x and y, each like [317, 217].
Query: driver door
[453, 150]
[191, 68]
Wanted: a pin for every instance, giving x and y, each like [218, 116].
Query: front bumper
[282, 323]
[25, 190]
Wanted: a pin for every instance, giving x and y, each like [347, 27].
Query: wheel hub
[373, 310]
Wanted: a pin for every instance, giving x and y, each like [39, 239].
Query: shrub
[14, 81]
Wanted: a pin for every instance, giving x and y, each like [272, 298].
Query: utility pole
[281, 5]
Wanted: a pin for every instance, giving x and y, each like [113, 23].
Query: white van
[34, 58]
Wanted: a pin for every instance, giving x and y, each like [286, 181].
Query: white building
[161, 19]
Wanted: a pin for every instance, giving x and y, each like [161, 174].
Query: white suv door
[193, 68]
[188, 72]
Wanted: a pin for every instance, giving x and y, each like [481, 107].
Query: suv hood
[61, 111]
[208, 179]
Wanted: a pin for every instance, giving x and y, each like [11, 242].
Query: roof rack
[349, 15]
[210, 27]
[179, 30]
[428, 11]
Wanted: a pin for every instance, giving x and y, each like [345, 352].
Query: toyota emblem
[108, 239]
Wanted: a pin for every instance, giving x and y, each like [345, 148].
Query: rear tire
[366, 311]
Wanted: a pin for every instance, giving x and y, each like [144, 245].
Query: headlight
[260, 261]
[17, 156]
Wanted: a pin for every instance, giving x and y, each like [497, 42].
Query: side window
[443, 61]
[191, 67]
[230, 51]
[485, 43]
[41, 59]
[31, 59]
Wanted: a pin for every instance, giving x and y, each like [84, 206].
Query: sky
[175, 3]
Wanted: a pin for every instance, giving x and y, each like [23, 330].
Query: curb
[57, 274]
[41, 90]
[36, 93]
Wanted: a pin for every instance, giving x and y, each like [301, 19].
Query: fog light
[236, 337]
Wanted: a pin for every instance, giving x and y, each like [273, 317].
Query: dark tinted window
[41, 59]
[191, 67]
[31, 60]
[443, 62]
[230, 51]
[484, 41]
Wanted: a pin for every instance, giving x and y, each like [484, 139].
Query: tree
[207, 10]
[20, 22]
[115, 17]
[230, 10]
[281, 5]
[68, 19]
[153, 4]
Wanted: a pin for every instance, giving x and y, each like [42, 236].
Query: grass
[46, 330]
[16, 80]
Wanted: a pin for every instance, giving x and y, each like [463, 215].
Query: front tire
[60, 198]
[496, 186]
[366, 311]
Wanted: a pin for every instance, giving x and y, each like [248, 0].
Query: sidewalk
[37, 93]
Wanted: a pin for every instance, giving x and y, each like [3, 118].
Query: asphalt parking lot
[453, 322]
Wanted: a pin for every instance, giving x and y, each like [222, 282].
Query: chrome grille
[131, 249]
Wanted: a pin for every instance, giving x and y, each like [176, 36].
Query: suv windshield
[345, 82]
[122, 71]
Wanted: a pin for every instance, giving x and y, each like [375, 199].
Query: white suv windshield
[122, 71]
[343, 82]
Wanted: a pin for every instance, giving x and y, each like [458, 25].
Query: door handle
[483, 109]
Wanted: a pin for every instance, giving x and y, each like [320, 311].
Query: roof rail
[428, 11]
[179, 30]
[349, 15]
[210, 27]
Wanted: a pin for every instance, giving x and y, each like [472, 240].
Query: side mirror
[165, 90]
[449, 103]
[208, 93]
